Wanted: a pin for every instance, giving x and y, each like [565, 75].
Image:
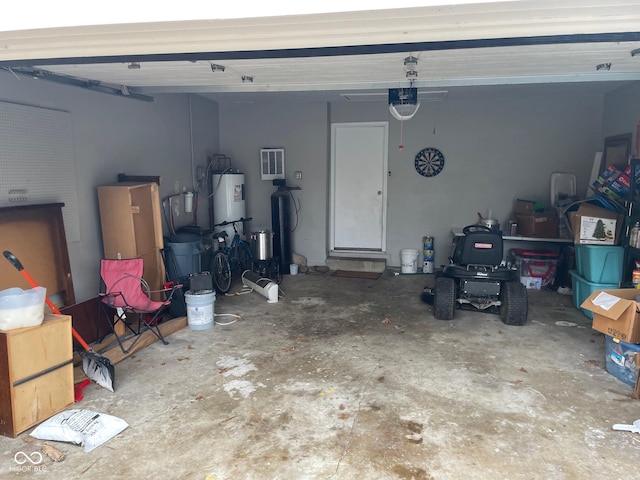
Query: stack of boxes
[598, 267]
[537, 268]
[598, 276]
[615, 313]
[615, 183]
[599, 261]
[534, 220]
[596, 292]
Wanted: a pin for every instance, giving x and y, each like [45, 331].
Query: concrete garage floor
[350, 378]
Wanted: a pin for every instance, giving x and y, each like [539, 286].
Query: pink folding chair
[125, 291]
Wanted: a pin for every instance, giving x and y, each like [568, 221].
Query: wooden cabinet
[131, 222]
[36, 373]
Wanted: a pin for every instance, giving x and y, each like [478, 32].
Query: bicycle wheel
[245, 258]
[221, 271]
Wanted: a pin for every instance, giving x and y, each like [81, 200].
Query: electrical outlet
[176, 187]
[298, 174]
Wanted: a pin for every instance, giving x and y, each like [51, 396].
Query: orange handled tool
[95, 366]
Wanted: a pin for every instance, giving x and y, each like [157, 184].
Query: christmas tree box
[593, 225]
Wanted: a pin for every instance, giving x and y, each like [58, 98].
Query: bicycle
[230, 258]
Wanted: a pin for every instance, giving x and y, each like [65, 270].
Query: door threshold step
[357, 264]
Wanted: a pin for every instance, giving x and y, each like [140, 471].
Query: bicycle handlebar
[241, 219]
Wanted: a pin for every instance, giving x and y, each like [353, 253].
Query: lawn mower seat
[479, 246]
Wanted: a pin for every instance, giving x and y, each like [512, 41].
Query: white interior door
[359, 186]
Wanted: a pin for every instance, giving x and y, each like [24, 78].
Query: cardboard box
[622, 320]
[621, 360]
[524, 207]
[614, 183]
[607, 176]
[595, 225]
[542, 225]
[610, 193]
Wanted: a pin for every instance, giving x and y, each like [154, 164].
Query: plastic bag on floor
[82, 427]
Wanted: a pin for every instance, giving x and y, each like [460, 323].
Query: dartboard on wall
[429, 162]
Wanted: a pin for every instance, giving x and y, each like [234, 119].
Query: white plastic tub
[21, 308]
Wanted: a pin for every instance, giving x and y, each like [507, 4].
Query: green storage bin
[600, 263]
[582, 288]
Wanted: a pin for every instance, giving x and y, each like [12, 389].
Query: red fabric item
[78, 390]
[123, 288]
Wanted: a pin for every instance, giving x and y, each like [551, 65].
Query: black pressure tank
[281, 226]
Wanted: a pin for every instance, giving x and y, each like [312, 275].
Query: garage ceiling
[522, 47]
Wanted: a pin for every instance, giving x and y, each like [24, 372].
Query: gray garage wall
[114, 135]
[496, 150]
[302, 130]
[622, 112]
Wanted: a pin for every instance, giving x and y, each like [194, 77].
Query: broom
[95, 366]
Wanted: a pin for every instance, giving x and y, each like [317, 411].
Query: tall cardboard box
[131, 221]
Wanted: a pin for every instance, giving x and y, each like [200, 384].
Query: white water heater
[228, 201]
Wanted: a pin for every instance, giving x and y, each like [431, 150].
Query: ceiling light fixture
[217, 68]
[603, 66]
[247, 79]
[134, 66]
[635, 52]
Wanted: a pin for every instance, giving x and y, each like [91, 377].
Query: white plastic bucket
[409, 260]
[200, 309]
